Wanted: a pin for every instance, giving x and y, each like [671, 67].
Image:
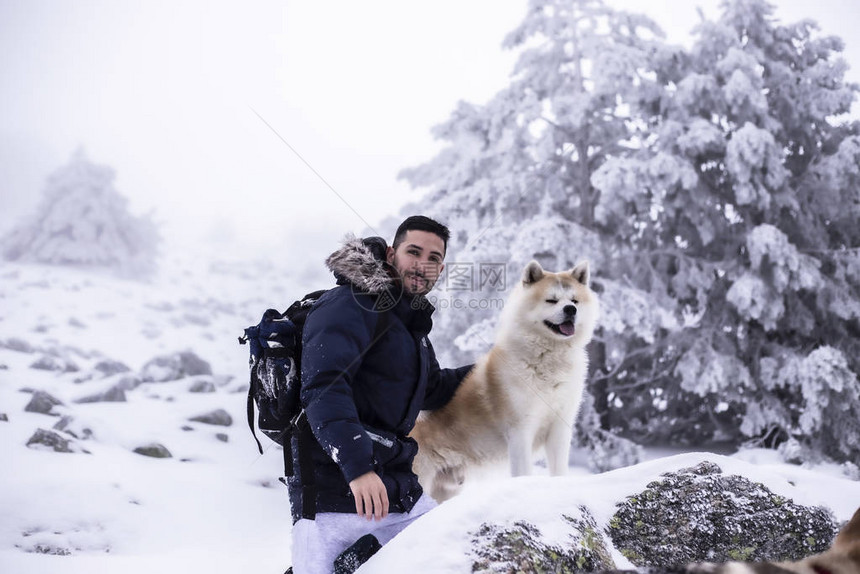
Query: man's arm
[336, 335]
[443, 383]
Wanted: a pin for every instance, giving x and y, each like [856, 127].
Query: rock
[50, 550]
[200, 320]
[108, 367]
[4, 367]
[173, 367]
[42, 403]
[115, 394]
[56, 364]
[699, 514]
[74, 428]
[4, 417]
[521, 547]
[128, 383]
[154, 450]
[50, 440]
[223, 437]
[19, 345]
[202, 386]
[218, 417]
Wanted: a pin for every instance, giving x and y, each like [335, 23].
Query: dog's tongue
[566, 328]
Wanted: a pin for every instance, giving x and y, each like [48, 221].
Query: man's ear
[389, 255]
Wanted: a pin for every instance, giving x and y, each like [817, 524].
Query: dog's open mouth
[567, 329]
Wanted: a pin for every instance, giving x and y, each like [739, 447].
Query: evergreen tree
[747, 203]
[82, 220]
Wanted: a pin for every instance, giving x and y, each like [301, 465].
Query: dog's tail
[848, 541]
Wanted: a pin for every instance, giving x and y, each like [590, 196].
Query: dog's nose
[570, 310]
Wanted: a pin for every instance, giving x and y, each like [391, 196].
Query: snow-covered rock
[691, 507]
[175, 366]
[43, 403]
[218, 417]
[154, 450]
[50, 440]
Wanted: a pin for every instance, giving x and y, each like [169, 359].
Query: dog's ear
[532, 273]
[582, 272]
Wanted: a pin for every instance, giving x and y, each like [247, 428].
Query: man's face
[418, 260]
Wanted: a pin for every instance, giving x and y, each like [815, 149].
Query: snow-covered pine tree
[83, 220]
[745, 212]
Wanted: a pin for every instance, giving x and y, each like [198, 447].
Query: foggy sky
[265, 120]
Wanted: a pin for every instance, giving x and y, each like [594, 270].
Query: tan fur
[523, 395]
[842, 558]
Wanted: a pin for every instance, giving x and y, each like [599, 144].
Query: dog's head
[557, 306]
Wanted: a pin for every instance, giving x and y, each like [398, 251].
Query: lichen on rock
[700, 514]
[521, 547]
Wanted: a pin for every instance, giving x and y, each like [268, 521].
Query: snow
[435, 543]
[217, 506]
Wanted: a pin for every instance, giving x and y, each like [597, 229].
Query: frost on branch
[756, 301]
[632, 312]
[755, 162]
[771, 253]
[704, 371]
[825, 412]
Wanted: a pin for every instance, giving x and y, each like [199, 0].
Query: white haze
[198, 104]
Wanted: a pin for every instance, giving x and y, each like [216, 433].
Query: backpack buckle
[301, 418]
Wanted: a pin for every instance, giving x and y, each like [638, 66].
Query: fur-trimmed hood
[361, 262]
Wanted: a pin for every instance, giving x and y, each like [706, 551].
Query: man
[367, 370]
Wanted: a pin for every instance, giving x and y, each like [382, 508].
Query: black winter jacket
[362, 396]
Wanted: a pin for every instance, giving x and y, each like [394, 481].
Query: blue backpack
[275, 363]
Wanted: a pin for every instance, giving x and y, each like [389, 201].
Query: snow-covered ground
[216, 505]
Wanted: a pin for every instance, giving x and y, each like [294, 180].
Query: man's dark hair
[421, 223]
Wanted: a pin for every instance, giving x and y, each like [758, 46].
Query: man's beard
[414, 282]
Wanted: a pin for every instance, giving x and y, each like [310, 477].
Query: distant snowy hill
[81, 345]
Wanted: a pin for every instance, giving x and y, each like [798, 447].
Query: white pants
[316, 543]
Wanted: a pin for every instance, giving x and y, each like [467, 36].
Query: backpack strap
[251, 418]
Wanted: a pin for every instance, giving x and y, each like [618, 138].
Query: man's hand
[371, 498]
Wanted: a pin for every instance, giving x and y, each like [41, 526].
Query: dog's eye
[552, 301]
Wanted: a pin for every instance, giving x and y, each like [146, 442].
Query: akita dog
[524, 394]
